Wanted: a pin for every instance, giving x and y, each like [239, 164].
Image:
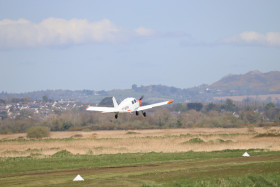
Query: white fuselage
[129, 105]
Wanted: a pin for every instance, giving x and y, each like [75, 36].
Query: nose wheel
[116, 116]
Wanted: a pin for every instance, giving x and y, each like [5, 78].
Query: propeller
[141, 97]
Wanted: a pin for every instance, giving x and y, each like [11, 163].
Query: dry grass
[111, 142]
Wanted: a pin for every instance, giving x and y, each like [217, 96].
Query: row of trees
[182, 115]
[14, 100]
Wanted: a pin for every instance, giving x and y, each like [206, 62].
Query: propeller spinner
[141, 100]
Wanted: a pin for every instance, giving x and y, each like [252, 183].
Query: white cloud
[254, 38]
[56, 32]
[141, 31]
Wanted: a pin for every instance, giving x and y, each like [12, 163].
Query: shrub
[62, 153]
[196, 140]
[132, 132]
[77, 136]
[38, 132]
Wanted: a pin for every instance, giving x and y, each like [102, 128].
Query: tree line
[227, 114]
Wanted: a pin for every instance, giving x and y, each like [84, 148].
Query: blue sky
[104, 45]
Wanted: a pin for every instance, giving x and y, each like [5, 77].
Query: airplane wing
[102, 109]
[154, 105]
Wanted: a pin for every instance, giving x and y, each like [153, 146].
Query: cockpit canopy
[133, 101]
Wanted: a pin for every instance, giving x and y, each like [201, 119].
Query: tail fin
[115, 102]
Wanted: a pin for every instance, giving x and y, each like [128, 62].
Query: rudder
[115, 102]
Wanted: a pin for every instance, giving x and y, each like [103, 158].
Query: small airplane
[127, 105]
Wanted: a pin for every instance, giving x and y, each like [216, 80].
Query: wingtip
[171, 101]
[87, 108]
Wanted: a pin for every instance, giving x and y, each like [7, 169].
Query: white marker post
[246, 155]
[78, 178]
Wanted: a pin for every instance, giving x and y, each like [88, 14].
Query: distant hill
[251, 83]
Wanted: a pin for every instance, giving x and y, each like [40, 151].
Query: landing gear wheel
[137, 113]
[144, 114]
[116, 116]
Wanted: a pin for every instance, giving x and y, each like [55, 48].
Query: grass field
[175, 157]
[221, 168]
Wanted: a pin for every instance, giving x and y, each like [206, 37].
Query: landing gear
[137, 113]
[144, 114]
[116, 116]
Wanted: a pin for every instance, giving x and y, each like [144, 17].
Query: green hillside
[253, 82]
